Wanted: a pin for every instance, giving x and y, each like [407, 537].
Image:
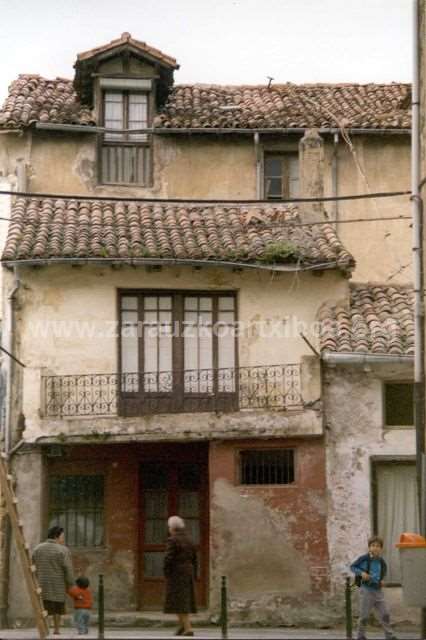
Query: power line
[277, 225]
[271, 203]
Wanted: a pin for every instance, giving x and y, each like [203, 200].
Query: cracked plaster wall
[354, 435]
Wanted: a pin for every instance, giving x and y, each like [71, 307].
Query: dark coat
[180, 568]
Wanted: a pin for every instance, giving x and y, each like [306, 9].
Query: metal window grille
[76, 503]
[272, 466]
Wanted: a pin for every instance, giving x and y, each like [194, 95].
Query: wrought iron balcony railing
[132, 394]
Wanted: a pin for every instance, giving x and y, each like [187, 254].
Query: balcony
[275, 387]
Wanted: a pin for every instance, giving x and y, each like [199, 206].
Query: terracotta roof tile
[288, 105]
[34, 99]
[47, 229]
[124, 39]
[378, 319]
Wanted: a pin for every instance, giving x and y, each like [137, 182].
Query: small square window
[281, 176]
[267, 466]
[398, 401]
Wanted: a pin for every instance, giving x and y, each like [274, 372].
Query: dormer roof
[89, 62]
[126, 40]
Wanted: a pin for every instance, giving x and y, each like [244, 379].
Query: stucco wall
[66, 321]
[354, 435]
[214, 167]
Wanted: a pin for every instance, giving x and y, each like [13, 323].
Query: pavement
[205, 633]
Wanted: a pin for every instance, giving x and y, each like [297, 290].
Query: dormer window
[126, 82]
[126, 156]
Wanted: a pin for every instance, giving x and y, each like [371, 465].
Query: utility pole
[418, 267]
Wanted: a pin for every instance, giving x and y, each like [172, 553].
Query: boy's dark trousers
[373, 599]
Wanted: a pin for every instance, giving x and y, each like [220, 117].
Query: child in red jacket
[83, 602]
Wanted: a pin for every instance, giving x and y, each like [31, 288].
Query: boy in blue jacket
[371, 569]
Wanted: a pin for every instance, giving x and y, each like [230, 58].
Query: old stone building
[171, 330]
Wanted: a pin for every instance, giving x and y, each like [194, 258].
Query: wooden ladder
[28, 567]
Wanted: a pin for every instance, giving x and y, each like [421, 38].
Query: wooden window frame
[178, 400]
[285, 174]
[126, 141]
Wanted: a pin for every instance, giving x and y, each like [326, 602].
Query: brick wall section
[275, 526]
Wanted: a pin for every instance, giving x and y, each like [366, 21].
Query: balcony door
[170, 488]
[177, 352]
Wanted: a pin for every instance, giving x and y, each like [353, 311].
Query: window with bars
[178, 346]
[281, 175]
[399, 404]
[125, 156]
[76, 503]
[267, 466]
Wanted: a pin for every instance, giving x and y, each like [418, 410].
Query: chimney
[311, 163]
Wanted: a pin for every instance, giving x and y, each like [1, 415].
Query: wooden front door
[176, 486]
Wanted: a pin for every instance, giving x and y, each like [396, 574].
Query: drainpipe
[364, 358]
[334, 177]
[258, 154]
[419, 318]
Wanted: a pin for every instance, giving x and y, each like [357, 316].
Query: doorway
[173, 482]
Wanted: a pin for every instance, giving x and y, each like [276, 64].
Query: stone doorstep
[153, 619]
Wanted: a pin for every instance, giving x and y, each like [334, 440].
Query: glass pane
[226, 303]
[189, 477]
[150, 302]
[129, 351]
[226, 350]
[154, 476]
[206, 349]
[155, 503]
[129, 302]
[113, 114]
[165, 302]
[155, 531]
[191, 303]
[226, 317]
[273, 166]
[189, 506]
[191, 352]
[153, 564]
[138, 115]
[273, 187]
[193, 530]
[205, 304]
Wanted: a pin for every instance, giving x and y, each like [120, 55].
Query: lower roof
[377, 319]
[47, 229]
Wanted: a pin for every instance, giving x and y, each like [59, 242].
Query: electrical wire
[277, 225]
[271, 203]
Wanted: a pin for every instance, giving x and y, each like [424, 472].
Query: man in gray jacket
[54, 573]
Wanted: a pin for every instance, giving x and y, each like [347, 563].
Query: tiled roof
[35, 99]
[379, 319]
[47, 229]
[288, 105]
[126, 39]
